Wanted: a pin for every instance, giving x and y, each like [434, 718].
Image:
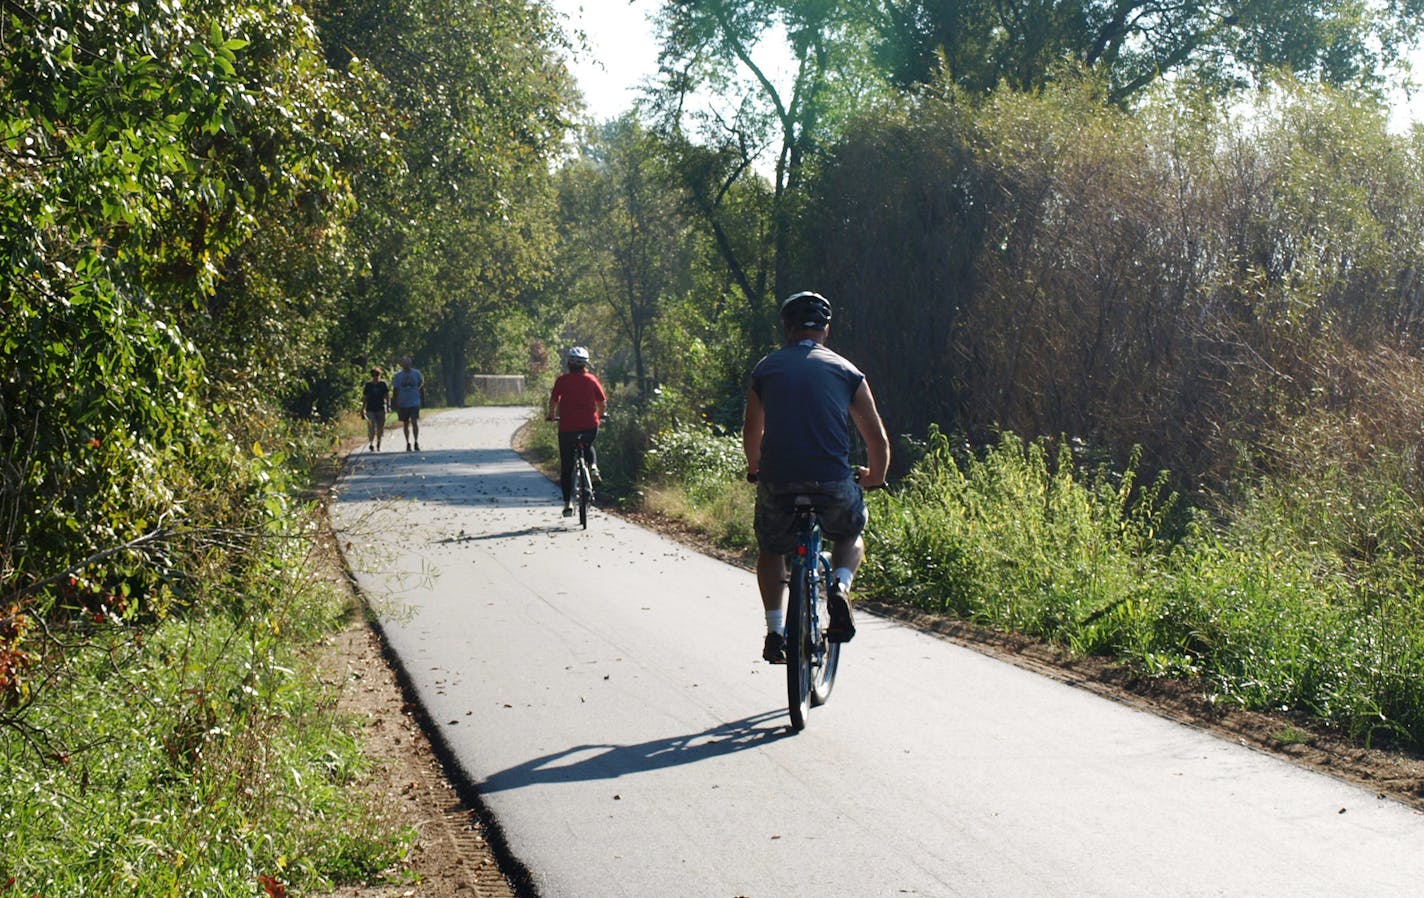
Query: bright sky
[622, 51]
[1411, 109]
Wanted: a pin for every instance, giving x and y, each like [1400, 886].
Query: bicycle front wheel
[798, 649]
[585, 492]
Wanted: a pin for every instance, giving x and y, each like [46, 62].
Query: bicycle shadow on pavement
[600, 762]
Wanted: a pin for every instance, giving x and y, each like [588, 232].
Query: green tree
[1184, 278]
[731, 111]
[979, 45]
[141, 148]
[475, 103]
[149, 151]
[628, 242]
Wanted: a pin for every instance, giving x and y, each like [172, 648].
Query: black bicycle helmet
[806, 310]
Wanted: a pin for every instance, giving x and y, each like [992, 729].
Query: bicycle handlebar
[752, 478]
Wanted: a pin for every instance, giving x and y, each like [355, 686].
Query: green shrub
[179, 744]
[1269, 607]
[1018, 541]
[697, 457]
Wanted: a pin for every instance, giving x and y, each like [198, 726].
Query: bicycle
[583, 481]
[811, 659]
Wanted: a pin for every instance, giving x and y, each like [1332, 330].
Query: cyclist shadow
[597, 762]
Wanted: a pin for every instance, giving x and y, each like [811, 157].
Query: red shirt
[578, 395]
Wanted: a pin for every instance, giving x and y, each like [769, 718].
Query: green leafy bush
[1270, 615]
[696, 456]
[182, 747]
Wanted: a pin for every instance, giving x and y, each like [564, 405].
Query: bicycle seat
[805, 503]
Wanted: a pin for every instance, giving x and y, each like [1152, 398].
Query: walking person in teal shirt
[408, 387]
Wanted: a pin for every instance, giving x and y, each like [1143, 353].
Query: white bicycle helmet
[578, 356]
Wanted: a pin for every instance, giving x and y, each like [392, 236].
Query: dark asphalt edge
[520, 877]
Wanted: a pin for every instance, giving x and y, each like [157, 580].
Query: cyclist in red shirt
[577, 403]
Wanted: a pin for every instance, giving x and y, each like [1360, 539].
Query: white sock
[776, 622]
[844, 575]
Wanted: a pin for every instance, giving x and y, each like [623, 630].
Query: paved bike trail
[602, 690]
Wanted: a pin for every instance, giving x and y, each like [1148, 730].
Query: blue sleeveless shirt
[805, 391]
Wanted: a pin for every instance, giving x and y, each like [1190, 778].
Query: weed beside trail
[189, 747]
[1267, 617]
[189, 758]
[1277, 607]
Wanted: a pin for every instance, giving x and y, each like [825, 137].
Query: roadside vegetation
[216, 216]
[1150, 347]
[169, 734]
[1271, 609]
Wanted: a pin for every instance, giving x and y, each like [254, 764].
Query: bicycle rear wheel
[585, 492]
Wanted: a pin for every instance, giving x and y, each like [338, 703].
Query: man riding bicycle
[796, 436]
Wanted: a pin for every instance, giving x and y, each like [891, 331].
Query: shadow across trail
[599, 762]
[507, 534]
[449, 477]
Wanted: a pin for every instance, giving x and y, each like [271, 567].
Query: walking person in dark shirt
[375, 403]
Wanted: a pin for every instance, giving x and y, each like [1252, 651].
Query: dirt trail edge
[458, 851]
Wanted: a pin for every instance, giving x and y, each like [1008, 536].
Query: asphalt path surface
[603, 691]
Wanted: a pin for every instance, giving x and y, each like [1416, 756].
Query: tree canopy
[476, 101]
[978, 45]
[213, 210]
[628, 237]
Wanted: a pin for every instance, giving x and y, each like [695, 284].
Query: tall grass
[193, 764]
[196, 751]
[1017, 541]
[1267, 615]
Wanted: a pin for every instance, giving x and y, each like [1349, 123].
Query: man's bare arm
[872, 430]
[753, 425]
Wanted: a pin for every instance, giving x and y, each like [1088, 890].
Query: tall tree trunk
[453, 360]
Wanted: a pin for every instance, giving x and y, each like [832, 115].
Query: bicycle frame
[583, 481]
[811, 659]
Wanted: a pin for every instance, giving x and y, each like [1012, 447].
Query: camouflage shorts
[840, 504]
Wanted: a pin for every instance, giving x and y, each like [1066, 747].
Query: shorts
[410, 413]
[841, 507]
